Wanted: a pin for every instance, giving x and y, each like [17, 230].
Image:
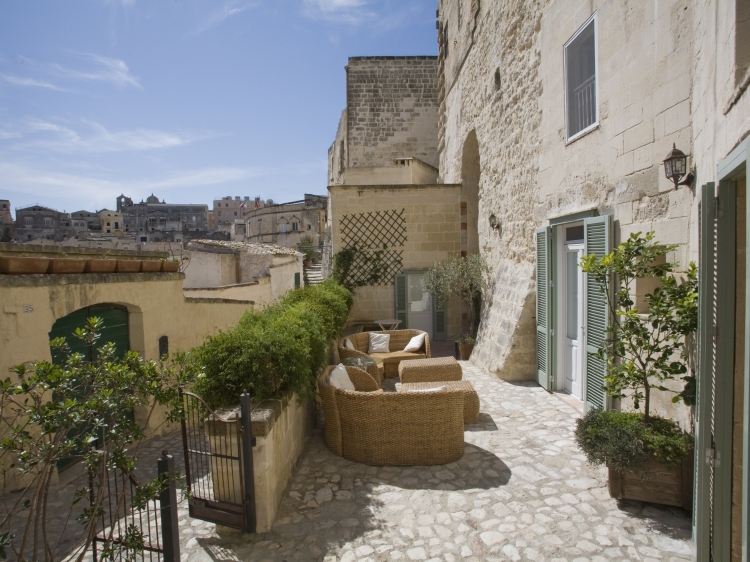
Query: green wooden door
[597, 233]
[439, 324]
[114, 330]
[544, 309]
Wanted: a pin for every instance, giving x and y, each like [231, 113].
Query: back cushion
[379, 343]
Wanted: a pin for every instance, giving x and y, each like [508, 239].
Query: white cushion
[416, 343]
[379, 343]
[425, 390]
[340, 378]
[348, 344]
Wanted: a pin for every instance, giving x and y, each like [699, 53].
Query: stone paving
[522, 491]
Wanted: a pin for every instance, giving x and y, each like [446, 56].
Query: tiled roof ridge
[233, 244]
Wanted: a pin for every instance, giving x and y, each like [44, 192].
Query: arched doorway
[470, 171]
[115, 329]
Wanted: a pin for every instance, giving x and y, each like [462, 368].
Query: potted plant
[23, 264]
[467, 278]
[150, 266]
[649, 457]
[172, 265]
[128, 266]
[101, 264]
[307, 247]
[63, 264]
[465, 347]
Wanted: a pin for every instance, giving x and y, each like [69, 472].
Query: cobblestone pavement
[522, 491]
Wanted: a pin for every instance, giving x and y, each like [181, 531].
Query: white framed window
[581, 83]
[28, 221]
[48, 222]
[295, 227]
[282, 227]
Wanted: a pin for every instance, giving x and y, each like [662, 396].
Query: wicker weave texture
[398, 341]
[332, 432]
[399, 429]
[430, 370]
[470, 396]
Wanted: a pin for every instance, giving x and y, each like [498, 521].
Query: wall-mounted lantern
[675, 167]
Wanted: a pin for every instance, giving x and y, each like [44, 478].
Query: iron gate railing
[219, 463]
[123, 529]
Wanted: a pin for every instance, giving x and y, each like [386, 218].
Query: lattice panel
[365, 264]
[379, 229]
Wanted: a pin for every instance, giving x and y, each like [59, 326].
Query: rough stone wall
[392, 108]
[337, 158]
[509, 90]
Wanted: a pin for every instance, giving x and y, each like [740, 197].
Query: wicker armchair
[390, 361]
[392, 429]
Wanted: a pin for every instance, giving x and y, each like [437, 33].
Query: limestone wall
[432, 233]
[392, 106]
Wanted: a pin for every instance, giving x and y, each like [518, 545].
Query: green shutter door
[439, 325]
[400, 296]
[716, 317]
[544, 331]
[597, 241]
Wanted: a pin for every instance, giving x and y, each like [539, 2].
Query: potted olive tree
[307, 247]
[464, 277]
[649, 457]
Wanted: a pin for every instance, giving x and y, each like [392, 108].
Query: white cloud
[20, 81]
[229, 9]
[95, 138]
[105, 69]
[101, 191]
[340, 11]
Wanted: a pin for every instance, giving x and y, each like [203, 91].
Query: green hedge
[275, 351]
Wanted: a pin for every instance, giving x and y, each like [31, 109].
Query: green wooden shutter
[544, 329]
[597, 241]
[713, 426]
[296, 280]
[400, 295]
[439, 324]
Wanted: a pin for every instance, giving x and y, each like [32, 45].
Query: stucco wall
[209, 269]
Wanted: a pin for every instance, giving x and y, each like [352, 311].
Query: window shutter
[400, 286]
[296, 280]
[597, 241]
[544, 347]
[439, 327]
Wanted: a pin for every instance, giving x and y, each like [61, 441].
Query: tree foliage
[468, 278]
[355, 267]
[77, 410]
[642, 351]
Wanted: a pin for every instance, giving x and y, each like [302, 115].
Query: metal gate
[219, 463]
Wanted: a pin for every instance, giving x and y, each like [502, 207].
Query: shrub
[276, 351]
[622, 440]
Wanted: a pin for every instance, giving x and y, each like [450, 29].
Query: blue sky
[189, 99]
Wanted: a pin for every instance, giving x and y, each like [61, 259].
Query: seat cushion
[395, 356]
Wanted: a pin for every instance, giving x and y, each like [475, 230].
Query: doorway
[420, 305]
[570, 308]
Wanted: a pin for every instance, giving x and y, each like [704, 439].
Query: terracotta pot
[150, 266]
[464, 350]
[128, 266]
[170, 266]
[306, 263]
[66, 265]
[656, 483]
[22, 265]
[100, 266]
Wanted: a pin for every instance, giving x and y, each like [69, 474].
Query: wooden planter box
[656, 483]
[100, 266]
[66, 265]
[464, 350]
[22, 265]
[170, 266]
[128, 266]
[149, 266]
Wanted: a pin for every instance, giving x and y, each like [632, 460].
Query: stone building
[156, 221]
[36, 222]
[384, 197]
[112, 222]
[85, 220]
[229, 209]
[559, 114]
[6, 218]
[285, 224]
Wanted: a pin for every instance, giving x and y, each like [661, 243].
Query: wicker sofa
[389, 428]
[390, 361]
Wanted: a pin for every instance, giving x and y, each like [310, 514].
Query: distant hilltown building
[156, 221]
[227, 210]
[286, 224]
[85, 220]
[5, 217]
[36, 222]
